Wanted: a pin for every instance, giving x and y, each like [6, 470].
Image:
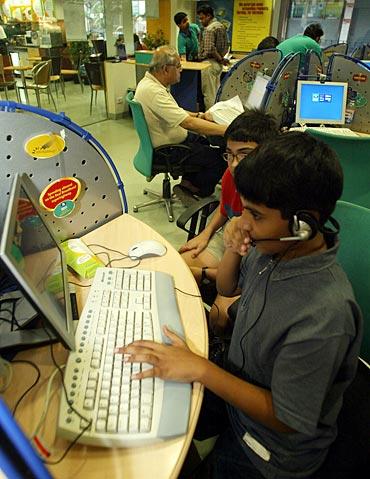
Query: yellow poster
[251, 23]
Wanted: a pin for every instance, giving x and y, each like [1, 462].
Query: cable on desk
[89, 422]
[80, 285]
[188, 294]
[26, 361]
[123, 256]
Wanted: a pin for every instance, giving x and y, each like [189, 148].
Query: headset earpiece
[303, 226]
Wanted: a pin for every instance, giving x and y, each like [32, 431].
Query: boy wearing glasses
[204, 252]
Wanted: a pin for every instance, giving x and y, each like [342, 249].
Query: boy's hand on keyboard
[173, 362]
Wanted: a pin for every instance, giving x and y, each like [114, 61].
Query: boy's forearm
[253, 400]
[228, 274]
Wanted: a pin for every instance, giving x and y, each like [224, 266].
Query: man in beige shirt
[168, 123]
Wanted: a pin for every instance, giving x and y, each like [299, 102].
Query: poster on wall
[251, 23]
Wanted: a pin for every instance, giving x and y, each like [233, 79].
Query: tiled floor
[119, 138]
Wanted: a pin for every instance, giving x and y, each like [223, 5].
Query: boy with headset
[297, 334]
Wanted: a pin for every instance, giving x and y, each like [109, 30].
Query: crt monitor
[30, 253]
[321, 103]
[18, 459]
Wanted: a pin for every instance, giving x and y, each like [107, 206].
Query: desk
[186, 91]
[157, 461]
[22, 70]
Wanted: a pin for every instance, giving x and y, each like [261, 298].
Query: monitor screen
[321, 103]
[31, 255]
[258, 91]
[367, 62]
[18, 459]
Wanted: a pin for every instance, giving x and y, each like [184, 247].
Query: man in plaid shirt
[213, 47]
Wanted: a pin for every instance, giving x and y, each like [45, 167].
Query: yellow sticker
[46, 145]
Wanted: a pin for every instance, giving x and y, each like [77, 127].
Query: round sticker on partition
[60, 191]
[64, 209]
[46, 145]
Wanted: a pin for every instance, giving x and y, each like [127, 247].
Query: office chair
[354, 156]
[4, 83]
[349, 455]
[149, 161]
[95, 77]
[41, 81]
[194, 219]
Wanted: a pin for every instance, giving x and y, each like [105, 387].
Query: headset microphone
[303, 226]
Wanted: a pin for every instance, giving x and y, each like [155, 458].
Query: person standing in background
[310, 40]
[213, 48]
[188, 38]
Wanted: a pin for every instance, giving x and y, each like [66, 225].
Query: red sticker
[286, 76]
[359, 77]
[58, 191]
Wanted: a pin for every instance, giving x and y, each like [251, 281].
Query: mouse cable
[80, 285]
[6, 375]
[46, 401]
[108, 249]
[188, 294]
[26, 361]
[88, 421]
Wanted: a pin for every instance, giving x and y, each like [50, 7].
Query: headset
[304, 226]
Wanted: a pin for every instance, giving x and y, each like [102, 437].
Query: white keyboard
[324, 129]
[123, 305]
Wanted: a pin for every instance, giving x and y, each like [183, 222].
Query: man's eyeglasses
[229, 157]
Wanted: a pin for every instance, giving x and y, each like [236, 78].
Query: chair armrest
[197, 215]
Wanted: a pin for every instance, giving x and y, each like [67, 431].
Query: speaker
[303, 226]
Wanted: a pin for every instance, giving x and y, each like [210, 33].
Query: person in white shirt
[168, 123]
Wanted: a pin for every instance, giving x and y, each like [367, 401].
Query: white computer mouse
[146, 249]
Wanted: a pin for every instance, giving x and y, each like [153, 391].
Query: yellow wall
[163, 22]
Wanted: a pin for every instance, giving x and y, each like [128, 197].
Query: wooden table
[22, 70]
[157, 461]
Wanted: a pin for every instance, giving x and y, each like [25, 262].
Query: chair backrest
[343, 68]
[56, 65]
[144, 157]
[354, 257]
[94, 73]
[2, 74]
[41, 73]
[239, 80]
[354, 156]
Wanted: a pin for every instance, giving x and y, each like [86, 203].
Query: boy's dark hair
[179, 17]
[292, 172]
[268, 42]
[252, 125]
[314, 31]
[206, 10]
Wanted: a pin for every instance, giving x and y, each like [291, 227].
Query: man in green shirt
[303, 43]
[187, 40]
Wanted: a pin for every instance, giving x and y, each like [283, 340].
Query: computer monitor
[18, 459]
[321, 103]
[258, 91]
[31, 255]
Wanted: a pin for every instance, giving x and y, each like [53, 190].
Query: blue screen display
[321, 101]
[367, 62]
